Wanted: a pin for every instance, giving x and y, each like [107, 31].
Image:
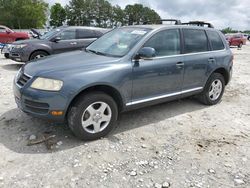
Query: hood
[21, 34]
[67, 63]
[29, 41]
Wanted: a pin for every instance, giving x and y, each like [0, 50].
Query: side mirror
[56, 39]
[8, 31]
[146, 53]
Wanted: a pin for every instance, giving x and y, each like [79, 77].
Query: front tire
[38, 55]
[7, 55]
[240, 45]
[213, 90]
[92, 116]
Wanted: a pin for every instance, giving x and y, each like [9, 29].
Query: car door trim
[163, 96]
[178, 55]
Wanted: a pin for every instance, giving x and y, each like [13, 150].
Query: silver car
[59, 40]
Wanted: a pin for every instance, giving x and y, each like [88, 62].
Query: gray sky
[232, 13]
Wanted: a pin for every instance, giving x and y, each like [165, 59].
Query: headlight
[47, 84]
[18, 46]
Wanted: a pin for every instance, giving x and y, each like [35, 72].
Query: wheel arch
[107, 89]
[37, 51]
[17, 39]
[223, 72]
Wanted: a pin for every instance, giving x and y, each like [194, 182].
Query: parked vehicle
[59, 40]
[127, 68]
[8, 36]
[236, 39]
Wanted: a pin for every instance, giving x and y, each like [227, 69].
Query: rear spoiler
[199, 23]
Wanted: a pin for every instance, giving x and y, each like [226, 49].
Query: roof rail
[176, 22]
[199, 23]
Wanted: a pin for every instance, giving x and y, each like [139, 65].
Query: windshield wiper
[101, 53]
[96, 52]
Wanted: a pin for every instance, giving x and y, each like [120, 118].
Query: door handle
[211, 60]
[179, 65]
[73, 43]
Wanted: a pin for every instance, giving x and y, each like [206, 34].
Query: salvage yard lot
[182, 143]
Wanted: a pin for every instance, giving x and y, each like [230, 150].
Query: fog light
[56, 113]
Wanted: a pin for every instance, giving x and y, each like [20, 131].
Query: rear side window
[215, 40]
[195, 41]
[165, 42]
[86, 33]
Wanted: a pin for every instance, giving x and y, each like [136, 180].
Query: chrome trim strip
[163, 96]
[198, 53]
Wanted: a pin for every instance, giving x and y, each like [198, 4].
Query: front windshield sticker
[138, 32]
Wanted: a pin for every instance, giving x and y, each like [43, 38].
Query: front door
[67, 42]
[161, 76]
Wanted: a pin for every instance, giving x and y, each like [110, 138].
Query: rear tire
[240, 45]
[92, 116]
[38, 54]
[213, 90]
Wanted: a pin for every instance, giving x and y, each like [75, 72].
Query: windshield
[118, 42]
[50, 34]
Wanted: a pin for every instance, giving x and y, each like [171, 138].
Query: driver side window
[67, 35]
[2, 30]
[165, 43]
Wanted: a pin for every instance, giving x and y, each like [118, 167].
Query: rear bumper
[40, 104]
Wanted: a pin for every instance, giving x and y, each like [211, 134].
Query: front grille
[37, 107]
[22, 79]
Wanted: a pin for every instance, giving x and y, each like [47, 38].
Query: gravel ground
[177, 144]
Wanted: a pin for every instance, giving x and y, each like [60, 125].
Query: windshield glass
[118, 42]
[50, 34]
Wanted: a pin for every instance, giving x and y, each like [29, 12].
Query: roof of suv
[159, 26]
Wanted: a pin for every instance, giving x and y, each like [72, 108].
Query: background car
[59, 40]
[236, 39]
[8, 36]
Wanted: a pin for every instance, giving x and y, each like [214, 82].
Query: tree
[102, 14]
[138, 14]
[57, 15]
[23, 14]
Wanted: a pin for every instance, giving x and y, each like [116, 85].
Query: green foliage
[102, 14]
[57, 15]
[23, 14]
[138, 14]
[228, 30]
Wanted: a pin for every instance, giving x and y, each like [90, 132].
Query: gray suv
[127, 68]
[59, 40]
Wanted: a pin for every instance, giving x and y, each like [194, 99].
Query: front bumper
[38, 103]
[19, 55]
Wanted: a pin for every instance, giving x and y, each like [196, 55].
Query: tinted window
[165, 42]
[98, 34]
[195, 41]
[2, 30]
[215, 40]
[68, 35]
[85, 33]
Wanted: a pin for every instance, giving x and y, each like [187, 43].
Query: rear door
[67, 42]
[85, 37]
[196, 59]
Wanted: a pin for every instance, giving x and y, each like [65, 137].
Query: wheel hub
[96, 117]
